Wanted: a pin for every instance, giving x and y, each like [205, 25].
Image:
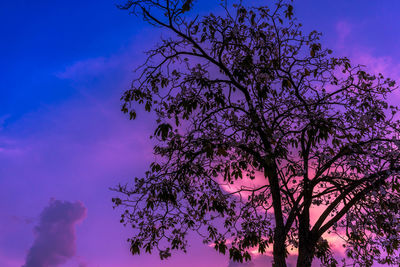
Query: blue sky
[64, 66]
[41, 38]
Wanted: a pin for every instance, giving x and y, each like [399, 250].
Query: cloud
[74, 149]
[374, 60]
[361, 54]
[238, 264]
[343, 30]
[266, 260]
[89, 67]
[261, 261]
[55, 241]
[383, 64]
[99, 68]
[3, 119]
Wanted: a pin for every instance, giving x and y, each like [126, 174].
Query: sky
[64, 141]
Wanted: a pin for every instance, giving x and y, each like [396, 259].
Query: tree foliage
[258, 127]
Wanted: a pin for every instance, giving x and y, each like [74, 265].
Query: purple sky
[64, 142]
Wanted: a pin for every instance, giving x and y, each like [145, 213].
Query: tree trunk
[307, 240]
[307, 244]
[270, 170]
[306, 237]
[306, 256]
[279, 249]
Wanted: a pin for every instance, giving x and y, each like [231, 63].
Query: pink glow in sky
[64, 141]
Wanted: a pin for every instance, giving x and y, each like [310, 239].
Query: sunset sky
[64, 141]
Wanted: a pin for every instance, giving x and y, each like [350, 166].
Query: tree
[258, 126]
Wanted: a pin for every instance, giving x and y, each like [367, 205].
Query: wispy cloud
[343, 31]
[382, 62]
[88, 67]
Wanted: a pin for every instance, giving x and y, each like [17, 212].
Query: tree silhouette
[258, 125]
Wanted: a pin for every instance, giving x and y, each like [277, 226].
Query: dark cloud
[55, 240]
[263, 261]
[238, 264]
[257, 261]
